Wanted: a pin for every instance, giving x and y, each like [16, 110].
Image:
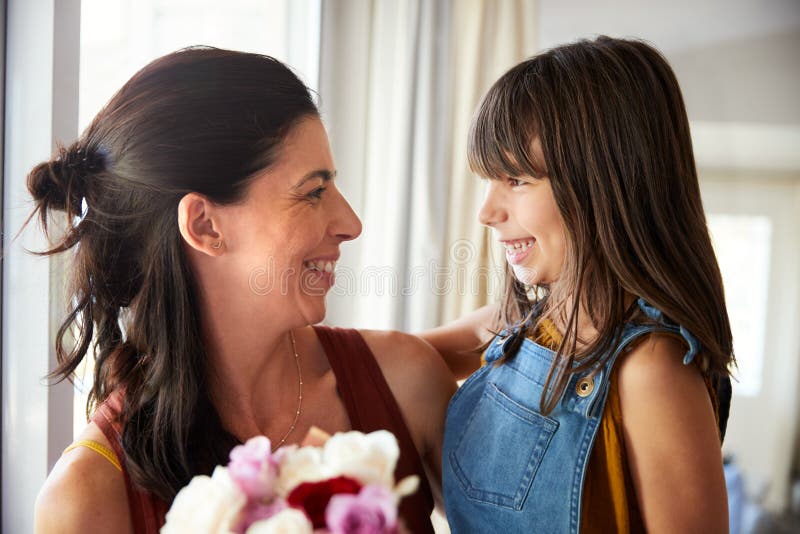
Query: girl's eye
[514, 182]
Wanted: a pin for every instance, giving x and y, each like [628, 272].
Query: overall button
[585, 386]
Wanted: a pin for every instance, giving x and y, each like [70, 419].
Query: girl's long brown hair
[617, 150]
[199, 120]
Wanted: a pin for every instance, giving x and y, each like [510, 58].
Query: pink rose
[255, 511]
[254, 469]
[372, 511]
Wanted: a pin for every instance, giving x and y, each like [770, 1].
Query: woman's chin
[313, 309]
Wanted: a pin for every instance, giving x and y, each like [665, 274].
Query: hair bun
[61, 183]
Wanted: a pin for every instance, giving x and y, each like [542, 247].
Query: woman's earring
[217, 245]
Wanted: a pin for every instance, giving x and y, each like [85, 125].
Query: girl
[602, 403]
[207, 224]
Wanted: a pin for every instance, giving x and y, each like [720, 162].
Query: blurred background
[397, 82]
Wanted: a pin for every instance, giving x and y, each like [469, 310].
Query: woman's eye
[514, 182]
[317, 193]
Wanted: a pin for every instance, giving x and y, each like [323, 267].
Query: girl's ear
[198, 222]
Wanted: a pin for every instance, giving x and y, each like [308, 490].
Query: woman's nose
[492, 211]
[346, 225]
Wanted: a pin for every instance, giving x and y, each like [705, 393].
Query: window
[743, 247]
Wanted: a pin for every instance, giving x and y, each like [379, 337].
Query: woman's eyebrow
[325, 174]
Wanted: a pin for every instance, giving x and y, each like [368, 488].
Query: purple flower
[372, 511]
[254, 469]
[256, 511]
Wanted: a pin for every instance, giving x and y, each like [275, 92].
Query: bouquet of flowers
[345, 486]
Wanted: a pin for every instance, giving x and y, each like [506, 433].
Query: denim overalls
[506, 467]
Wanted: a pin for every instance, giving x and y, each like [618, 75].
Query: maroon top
[147, 511]
[370, 406]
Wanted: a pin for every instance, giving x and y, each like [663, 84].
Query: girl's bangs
[502, 133]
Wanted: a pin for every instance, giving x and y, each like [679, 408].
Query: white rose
[300, 465]
[206, 505]
[369, 458]
[289, 521]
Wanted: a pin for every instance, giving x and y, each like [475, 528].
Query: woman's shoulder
[84, 492]
[416, 374]
[404, 356]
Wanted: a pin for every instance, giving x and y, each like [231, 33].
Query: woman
[206, 224]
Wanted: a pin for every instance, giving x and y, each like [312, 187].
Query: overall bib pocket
[500, 448]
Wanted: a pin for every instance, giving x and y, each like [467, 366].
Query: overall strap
[719, 384]
[629, 333]
[661, 324]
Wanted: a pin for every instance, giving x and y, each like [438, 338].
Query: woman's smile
[321, 271]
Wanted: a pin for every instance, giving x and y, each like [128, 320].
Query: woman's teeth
[517, 246]
[322, 265]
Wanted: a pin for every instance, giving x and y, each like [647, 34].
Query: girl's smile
[517, 250]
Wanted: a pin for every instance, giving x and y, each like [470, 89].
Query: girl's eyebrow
[325, 174]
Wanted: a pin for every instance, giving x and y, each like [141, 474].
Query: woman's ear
[199, 225]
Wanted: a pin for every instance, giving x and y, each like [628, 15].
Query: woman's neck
[252, 371]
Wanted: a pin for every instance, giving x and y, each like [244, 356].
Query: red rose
[312, 497]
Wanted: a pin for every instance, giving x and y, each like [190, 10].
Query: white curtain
[399, 81]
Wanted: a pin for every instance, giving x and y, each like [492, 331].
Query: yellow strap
[99, 448]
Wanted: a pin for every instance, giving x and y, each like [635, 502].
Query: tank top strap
[371, 406]
[147, 512]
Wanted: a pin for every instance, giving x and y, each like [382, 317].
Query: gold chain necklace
[299, 394]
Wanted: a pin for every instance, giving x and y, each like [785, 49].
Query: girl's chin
[526, 275]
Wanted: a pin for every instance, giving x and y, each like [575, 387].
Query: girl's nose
[492, 211]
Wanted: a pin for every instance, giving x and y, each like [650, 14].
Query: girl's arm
[457, 342]
[671, 440]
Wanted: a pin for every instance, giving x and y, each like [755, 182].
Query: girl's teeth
[520, 245]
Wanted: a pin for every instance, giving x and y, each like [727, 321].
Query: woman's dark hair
[198, 120]
[617, 150]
